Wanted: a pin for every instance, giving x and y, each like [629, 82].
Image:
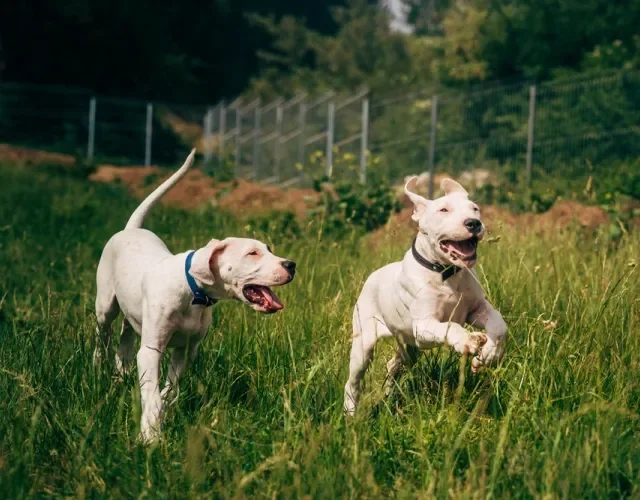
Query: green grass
[260, 411]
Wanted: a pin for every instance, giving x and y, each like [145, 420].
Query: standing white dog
[424, 300]
[165, 298]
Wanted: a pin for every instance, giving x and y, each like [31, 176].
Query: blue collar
[200, 298]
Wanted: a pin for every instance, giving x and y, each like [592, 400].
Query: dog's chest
[193, 322]
[452, 304]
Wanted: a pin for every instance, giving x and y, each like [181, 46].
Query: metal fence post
[276, 172]
[364, 140]
[149, 135]
[222, 132]
[530, 131]
[92, 130]
[302, 121]
[256, 139]
[432, 143]
[207, 136]
[238, 139]
[331, 111]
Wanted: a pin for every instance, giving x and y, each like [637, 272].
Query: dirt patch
[131, 176]
[562, 215]
[194, 190]
[249, 198]
[258, 198]
[566, 213]
[15, 154]
[242, 199]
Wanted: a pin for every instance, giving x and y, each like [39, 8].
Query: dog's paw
[474, 343]
[476, 364]
[488, 355]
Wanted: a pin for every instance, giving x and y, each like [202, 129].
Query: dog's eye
[254, 252]
[476, 209]
[443, 210]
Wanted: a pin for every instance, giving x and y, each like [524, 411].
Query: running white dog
[165, 297]
[424, 300]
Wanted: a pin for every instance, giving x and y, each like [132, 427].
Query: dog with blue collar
[166, 299]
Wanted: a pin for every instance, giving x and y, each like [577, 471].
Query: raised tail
[137, 218]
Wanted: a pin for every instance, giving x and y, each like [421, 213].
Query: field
[260, 411]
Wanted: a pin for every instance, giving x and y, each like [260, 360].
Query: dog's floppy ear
[419, 203]
[202, 262]
[449, 186]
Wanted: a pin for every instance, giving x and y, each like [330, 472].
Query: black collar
[445, 271]
[200, 297]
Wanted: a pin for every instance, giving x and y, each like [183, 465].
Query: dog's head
[243, 269]
[451, 223]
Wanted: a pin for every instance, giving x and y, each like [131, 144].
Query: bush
[347, 205]
[284, 224]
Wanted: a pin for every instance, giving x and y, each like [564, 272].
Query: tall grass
[260, 411]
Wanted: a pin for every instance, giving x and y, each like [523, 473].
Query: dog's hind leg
[125, 353]
[406, 356]
[107, 307]
[107, 310]
[365, 336]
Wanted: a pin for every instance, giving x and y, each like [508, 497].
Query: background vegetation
[583, 56]
[260, 412]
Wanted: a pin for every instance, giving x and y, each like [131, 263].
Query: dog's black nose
[473, 225]
[290, 266]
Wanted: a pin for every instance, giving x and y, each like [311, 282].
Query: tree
[363, 51]
[191, 51]
[426, 16]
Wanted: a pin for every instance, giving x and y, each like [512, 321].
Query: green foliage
[222, 168]
[453, 43]
[282, 224]
[613, 55]
[347, 205]
[425, 16]
[364, 51]
[577, 120]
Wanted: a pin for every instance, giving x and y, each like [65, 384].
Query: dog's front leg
[155, 338]
[486, 317]
[429, 332]
[149, 358]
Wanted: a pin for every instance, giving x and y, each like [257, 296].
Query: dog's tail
[137, 218]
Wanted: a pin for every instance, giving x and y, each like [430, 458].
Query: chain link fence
[519, 132]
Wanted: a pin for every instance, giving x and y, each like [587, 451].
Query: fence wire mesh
[520, 133]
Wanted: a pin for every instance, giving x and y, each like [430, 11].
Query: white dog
[424, 300]
[165, 297]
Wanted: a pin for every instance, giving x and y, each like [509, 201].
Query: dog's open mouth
[464, 250]
[263, 298]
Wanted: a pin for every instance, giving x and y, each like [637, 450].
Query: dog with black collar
[424, 300]
[167, 298]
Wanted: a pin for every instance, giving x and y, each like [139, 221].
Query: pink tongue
[273, 302]
[463, 247]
